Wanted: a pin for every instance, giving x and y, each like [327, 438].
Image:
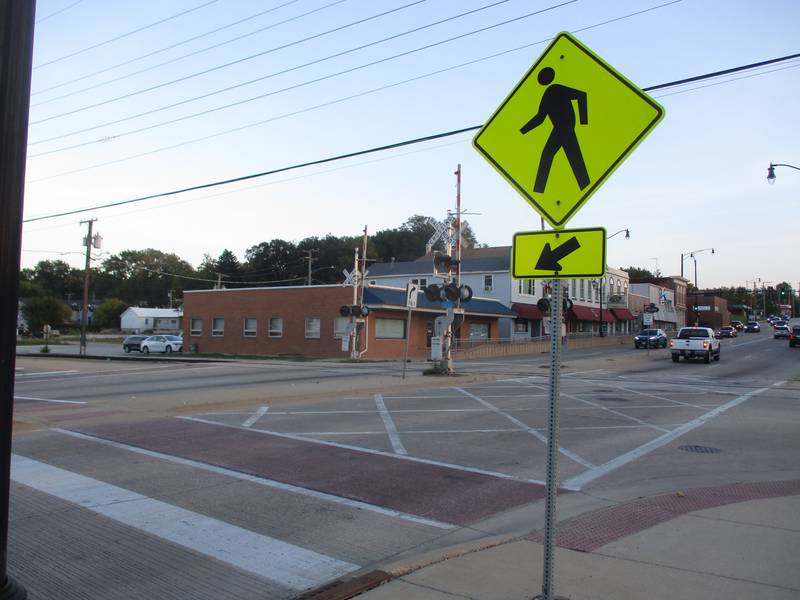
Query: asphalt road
[261, 479]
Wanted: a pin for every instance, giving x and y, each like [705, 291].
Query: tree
[108, 313]
[144, 277]
[278, 260]
[57, 279]
[639, 273]
[39, 312]
[229, 268]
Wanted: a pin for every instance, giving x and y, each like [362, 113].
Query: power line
[175, 45]
[58, 12]
[376, 149]
[292, 87]
[124, 35]
[235, 62]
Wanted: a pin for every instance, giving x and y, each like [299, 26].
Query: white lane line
[424, 461]
[616, 412]
[500, 430]
[388, 422]
[49, 400]
[778, 383]
[577, 483]
[45, 373]
[262, 410]
[278, 485]
[655, 396]
[166, 369]
[273, 559]
[539, 436]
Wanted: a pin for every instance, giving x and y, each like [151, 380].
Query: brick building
[305, 321]
[708, 311]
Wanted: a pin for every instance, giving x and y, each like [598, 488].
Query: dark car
[752, 327]
[133, 342]
[794, 336]
[653, 338]
[727, 331]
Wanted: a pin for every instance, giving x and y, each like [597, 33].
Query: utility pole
[353, 321]
[85, 310]
[16, 52]
[310, 259]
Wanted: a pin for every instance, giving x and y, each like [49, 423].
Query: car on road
[695, 342]
[166, 344]
[781, 332]
[794, 336]
[738, 325]
[653, 338]
[780, 322]
[727, 331]
[752, 327]
[133, 342]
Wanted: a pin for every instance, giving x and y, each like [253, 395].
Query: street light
[687, 255]
[595, 284]
[771, 171]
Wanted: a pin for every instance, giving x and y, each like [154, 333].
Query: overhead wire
[371, 150]
[292, 87]
[234, 62]
[184, 56]
[124, 35]
[58, 12]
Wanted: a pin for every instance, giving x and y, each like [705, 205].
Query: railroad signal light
[354, 311]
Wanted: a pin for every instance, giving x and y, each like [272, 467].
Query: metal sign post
[412, 289]
[552, 443]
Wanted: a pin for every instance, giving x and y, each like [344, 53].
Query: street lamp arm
[625, 231]
[784, 165]
[771, 171]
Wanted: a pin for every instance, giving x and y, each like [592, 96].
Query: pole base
[11, 590]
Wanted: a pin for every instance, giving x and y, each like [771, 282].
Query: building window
[531, 287]
[583, 289]
[218, 327]
[521, 326]
[275, 327]
[312, 328]
[196, 327]
[147, 321]
[340, 327]
[488, 283]
[250, 327]
[479, 331]
[422, 281]
[574, 293]
[390, 329]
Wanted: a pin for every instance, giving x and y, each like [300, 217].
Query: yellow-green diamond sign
[565, 128]
[560, 254]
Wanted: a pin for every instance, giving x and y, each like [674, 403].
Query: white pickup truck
[695, 342]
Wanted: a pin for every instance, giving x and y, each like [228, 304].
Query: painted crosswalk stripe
[273, 559]
[262, 410]
[388, 422]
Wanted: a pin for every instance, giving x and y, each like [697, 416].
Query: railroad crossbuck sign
[565, 128]
[562, 254]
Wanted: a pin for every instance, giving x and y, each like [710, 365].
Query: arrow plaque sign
[562, 254]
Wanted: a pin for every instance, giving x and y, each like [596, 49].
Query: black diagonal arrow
[548, 261]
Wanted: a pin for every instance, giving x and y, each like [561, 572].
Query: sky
[131, 99]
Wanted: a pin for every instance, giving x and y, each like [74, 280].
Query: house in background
[136, 319]
[488, 272]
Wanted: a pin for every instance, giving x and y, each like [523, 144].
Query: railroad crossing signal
[565, 254]
[565, 127]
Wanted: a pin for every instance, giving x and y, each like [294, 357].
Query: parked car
[752, 327]
[738, 325]
[781, 332]
[695, 342]
[133, 342]
[162, 343]
[794, 336]
[653, 338]
[727, 331]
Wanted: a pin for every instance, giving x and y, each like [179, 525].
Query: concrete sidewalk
[730, 542]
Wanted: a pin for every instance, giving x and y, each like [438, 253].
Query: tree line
[156, 279]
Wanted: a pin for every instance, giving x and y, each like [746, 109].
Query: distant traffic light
[354, 311]
[450, 292]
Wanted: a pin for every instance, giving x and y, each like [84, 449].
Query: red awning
[623, 314]
[589, 313]
[527, 311]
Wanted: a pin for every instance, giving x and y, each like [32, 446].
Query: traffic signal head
[451, 292]
[465, 293]
[442, 262]
[354, 311]
[434, 293]
[543, 304]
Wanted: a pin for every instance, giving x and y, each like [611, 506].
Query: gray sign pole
[552, 443]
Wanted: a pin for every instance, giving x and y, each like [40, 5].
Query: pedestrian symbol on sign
[556, 104]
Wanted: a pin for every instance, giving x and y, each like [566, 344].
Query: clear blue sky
[697, 181]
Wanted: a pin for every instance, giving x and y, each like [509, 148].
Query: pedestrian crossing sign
[565, 127]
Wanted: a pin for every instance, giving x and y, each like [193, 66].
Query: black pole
[602, 333]
[16, 51]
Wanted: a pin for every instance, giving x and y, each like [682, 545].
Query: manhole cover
[700, 449]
